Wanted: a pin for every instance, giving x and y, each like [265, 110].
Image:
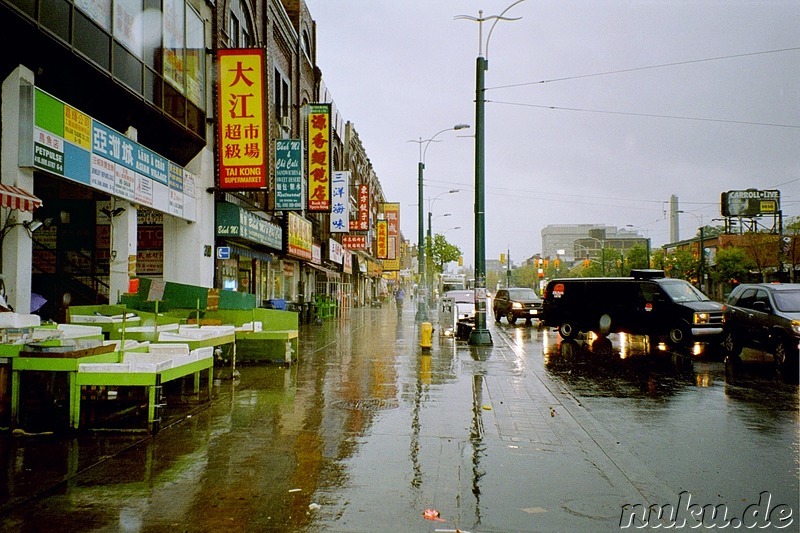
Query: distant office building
[572, 242]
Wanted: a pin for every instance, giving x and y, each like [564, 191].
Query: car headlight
[516, 305]
[796, 327]
[701, 318]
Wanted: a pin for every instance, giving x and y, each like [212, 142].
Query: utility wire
[651, 115]
[635, 69]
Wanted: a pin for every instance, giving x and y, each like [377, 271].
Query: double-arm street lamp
[480, 335]
[430, 250]
[646, 242]
[701, 272]
[422, 310]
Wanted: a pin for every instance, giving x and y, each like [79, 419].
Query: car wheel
[733, 365]
[567, 331]
[496, 315]
[679, 335]
[785, 357]
[730, 344]
[510, 317]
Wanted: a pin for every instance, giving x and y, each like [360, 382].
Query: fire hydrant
[425, 335]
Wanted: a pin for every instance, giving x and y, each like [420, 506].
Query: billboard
[319, 157]
[750, 203]
[242, 129]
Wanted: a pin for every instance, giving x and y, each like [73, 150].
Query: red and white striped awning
[17, 198]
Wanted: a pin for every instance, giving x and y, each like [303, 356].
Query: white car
[465, 304]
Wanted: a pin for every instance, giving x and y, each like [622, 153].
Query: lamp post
[602, 253]
[422, 311]
[646, 242]
[701, 268]
[430, 250]
[480, 335]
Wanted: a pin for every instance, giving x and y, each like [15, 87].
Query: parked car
[648, 303]
[764, 316]
[517, 303]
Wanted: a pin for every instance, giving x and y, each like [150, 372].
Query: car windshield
[788, 301]
[461, 296]
[683, 291]
[522, 294]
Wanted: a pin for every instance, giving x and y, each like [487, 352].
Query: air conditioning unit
[286, 123]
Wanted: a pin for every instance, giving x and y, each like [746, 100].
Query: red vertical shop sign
[242, 161]
[318, 144]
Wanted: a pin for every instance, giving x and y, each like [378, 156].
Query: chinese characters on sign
[340, 219]
[288, 175]
[319, 157]
[74, 145]
[381, 230]
[362, 223]
[391, 212]
[298, 235]
[241, 119]
[354, 242]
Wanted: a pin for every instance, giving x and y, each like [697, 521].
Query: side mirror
[760, 306]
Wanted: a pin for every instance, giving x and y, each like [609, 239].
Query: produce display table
[60, 359]
[261, 345]
[163, 364]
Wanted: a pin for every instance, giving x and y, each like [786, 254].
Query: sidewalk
[364, 433]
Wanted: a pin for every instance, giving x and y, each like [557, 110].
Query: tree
[791, 247]
[443, 252]
[731, 266]
[762, 249]
[681, 264]
[637, 257]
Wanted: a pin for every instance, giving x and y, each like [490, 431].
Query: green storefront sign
[233, 221]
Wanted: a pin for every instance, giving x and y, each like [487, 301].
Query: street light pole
[701, 266]
[422, 309]
[430, 248]
[480, 335]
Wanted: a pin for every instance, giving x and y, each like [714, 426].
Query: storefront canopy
[19, 199]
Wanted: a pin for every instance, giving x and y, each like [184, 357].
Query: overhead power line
[650, 67]
[651, 115]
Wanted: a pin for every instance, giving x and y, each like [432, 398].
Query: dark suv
[764, 316]
[517, 302]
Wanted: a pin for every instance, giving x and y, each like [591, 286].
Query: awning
[328, 272]
[16, 198]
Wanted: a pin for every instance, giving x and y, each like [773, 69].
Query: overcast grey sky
[597, 111]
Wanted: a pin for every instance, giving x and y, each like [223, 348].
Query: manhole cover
[368, 404]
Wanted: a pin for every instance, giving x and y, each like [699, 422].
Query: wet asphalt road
[365, 433]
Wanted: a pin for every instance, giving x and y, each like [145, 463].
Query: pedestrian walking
[399, 296]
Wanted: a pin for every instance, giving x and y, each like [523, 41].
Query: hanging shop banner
[347, 262]
[319, 157]
[362, 222]
[335, 251]
[381, 230]
[233, 221]
[391, 213]
[298, 236]
[241, 119]
[288, 175]
[71, 144]
[340, 212]
[354, 242]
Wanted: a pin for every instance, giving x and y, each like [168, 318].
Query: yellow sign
[318, 145]
[241, 119]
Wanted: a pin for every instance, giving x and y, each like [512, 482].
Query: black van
[648, 303]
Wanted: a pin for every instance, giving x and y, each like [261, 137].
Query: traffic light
[461, 260]
[502, 259]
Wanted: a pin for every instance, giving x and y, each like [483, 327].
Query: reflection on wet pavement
[366, 432]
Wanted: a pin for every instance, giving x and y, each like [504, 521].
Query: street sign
[223, 252]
